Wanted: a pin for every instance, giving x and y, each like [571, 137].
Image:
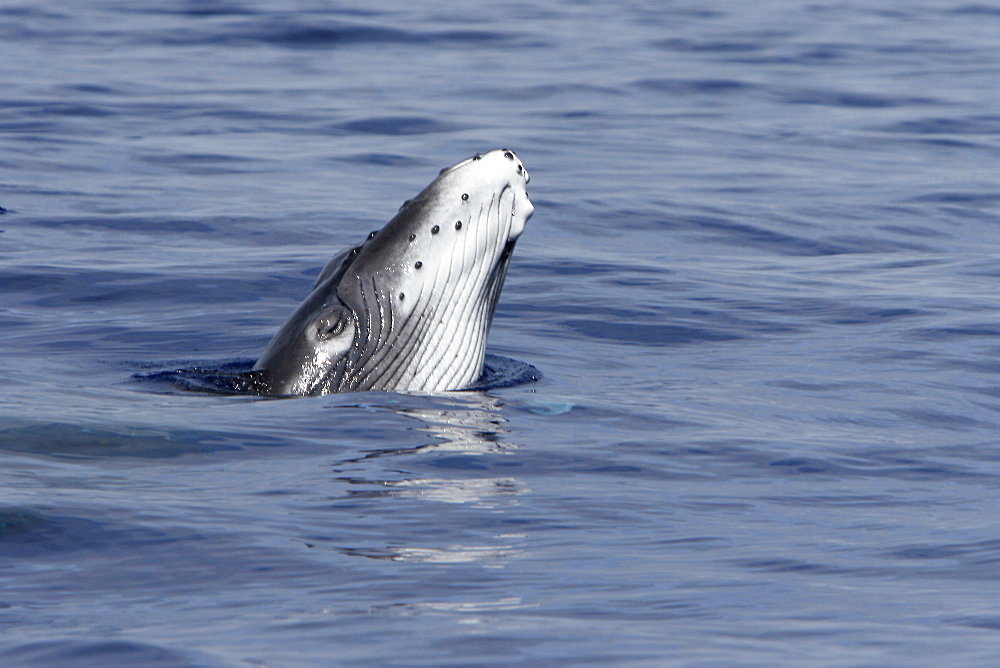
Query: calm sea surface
[762, 283]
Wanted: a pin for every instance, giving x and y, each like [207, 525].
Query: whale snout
[500, 164]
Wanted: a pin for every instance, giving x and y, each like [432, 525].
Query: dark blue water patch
[395, 126]
[225, 377]
[745, 234]
[765, 47]
[384, 159]
[804, 465]
[674, 86]
[807, 312]
[28, 11]
[218, 8]
[682, 45]
[799, 386]
[745, 458]
[976, 10]
[707, 319]
[501, 372]
[970, 125]
[561, 92]
[860, 315]
[33, 109]
[904, 465]
[985, 330]
[202, 163]
[584, 267]
[289, 122]
[55, 287]
[33, 130]
[56, 439]
[457, 462]
[312, 36]
[853, 100]
[838, 501]
[778, 565]
[236, 377]
[981, 552]
[971, 198]
[17, 521]
[29, 534]
[9, 322]
[71, 109]
[126, 223]
[647, 334]
[911, 230]
[96, 654]
[987, 622]
[988, 268]
[198, 9]
[992, 392]
[299, 32]
[102, 90]
[263, 231]
[940, 419]
[42, 284]
[939, 142]
[823, 54]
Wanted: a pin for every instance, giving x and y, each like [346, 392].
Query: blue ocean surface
[760, 284]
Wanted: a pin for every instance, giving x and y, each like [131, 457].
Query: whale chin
[410, 308]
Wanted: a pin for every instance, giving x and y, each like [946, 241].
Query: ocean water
[761, 285]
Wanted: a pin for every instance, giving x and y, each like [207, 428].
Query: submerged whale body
[411, 307]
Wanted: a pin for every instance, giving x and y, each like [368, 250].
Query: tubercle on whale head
[499, 162]
[497, 166]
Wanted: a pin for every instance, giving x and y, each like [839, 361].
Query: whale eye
[332, 322]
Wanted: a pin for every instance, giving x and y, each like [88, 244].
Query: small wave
[93, 653]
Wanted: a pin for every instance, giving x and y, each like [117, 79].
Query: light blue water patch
[760, 287]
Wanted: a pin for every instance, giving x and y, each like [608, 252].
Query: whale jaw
[410, 309]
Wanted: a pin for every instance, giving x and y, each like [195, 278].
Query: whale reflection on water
[461, 424]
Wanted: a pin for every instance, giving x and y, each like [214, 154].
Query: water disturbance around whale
[410, 308]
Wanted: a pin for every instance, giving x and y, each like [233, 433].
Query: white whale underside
[437, 339]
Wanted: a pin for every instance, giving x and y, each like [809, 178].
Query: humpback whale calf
[410, 308]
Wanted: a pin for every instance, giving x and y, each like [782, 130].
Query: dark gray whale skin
[410, 308]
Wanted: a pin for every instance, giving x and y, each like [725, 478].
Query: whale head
[410, 308]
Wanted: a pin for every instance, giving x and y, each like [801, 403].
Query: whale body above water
[411, 307]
